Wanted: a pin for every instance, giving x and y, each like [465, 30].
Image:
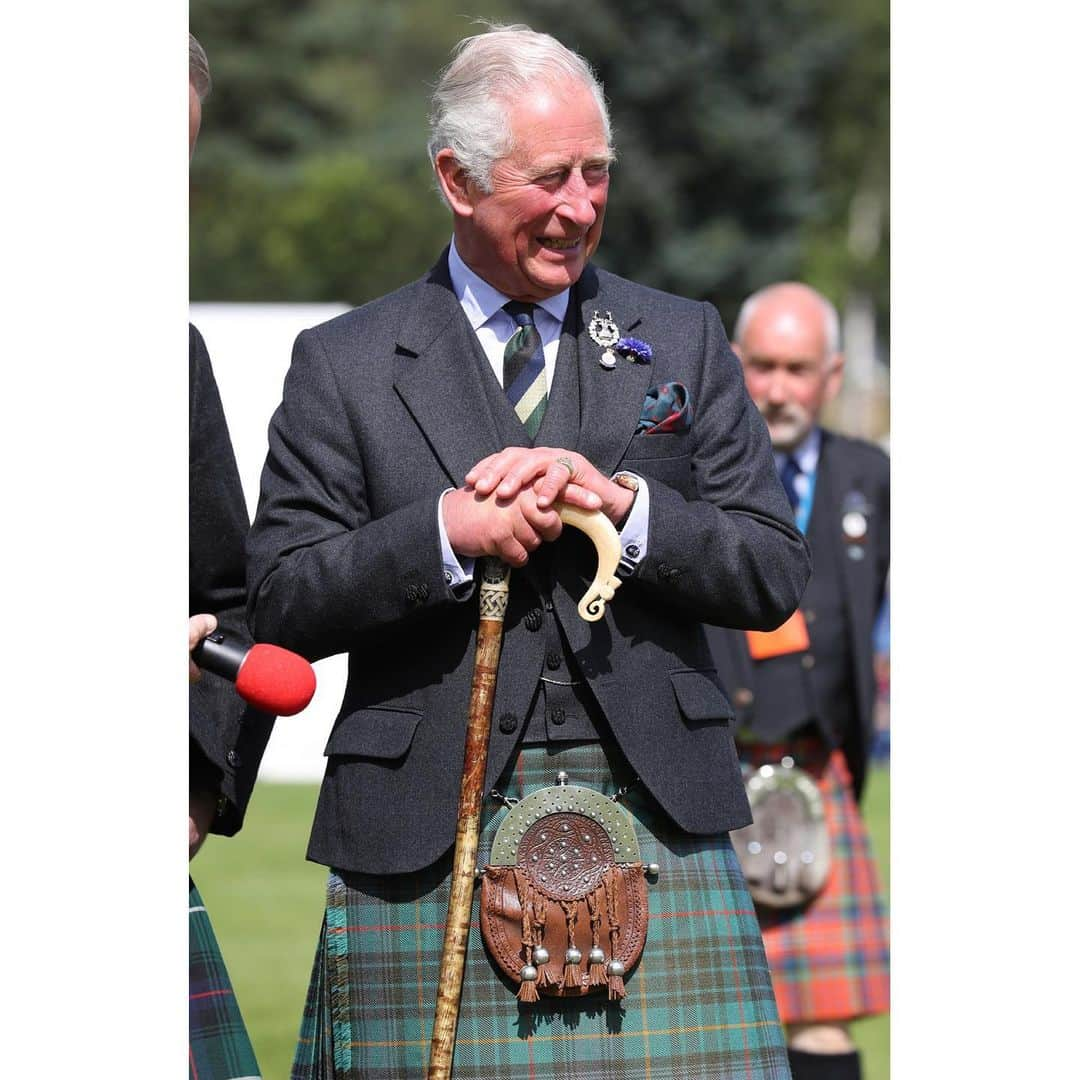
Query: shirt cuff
[634, 535]
[458, 575]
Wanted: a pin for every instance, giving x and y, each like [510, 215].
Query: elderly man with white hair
[440, 424]
[804, 695]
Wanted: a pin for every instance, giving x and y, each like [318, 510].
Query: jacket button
[534, 619]
[233, 758]
[558, 716]
[554, 661]
[807, 661]
[422, 590]
[410, 593]
[508, 723]
[743, 697]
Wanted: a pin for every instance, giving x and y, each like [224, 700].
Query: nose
[777, 390]
[577, 201]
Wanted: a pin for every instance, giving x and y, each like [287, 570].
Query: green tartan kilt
[698, 1006]
[218, 1043]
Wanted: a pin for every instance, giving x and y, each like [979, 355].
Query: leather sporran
[563, 905]
[785, 853]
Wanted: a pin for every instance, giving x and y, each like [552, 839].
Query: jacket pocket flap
[699, 697]
[376, 732]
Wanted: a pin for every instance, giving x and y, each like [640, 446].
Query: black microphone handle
[222, 656]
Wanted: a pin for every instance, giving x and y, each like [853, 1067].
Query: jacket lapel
[440, 380]
[610, 399]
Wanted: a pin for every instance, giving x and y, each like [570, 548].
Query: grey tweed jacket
[387, 406]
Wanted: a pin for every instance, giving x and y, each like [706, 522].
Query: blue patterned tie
[523, 368]
[787, 478]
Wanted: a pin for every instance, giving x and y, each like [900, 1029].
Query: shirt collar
[806, 454]
[480, 301]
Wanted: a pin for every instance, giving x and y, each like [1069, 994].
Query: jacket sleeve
[732, 555]
[322, 570]
[227, 737]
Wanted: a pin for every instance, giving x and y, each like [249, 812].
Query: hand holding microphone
[268, 677]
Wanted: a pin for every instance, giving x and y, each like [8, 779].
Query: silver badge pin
[605, 333]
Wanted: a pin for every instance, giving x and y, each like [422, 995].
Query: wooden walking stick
[494, 594]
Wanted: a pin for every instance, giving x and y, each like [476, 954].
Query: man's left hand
[554, 474]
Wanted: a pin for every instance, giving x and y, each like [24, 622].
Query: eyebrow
[605, 158]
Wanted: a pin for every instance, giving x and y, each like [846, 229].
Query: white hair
[198, 68]
[828, 314]
[488, 73]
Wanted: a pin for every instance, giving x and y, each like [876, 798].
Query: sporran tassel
[540, 956]
[597, 974]
[527, 990]
[615, 968]
[571, 970]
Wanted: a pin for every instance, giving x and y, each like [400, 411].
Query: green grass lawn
[266, 904]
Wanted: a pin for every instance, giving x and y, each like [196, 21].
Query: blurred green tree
[752, 140]
[310, 181]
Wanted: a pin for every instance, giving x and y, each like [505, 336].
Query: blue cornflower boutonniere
[634, 349]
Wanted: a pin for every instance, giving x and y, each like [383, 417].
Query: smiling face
[532, 235]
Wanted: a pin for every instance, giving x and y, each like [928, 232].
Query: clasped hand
[506, 507]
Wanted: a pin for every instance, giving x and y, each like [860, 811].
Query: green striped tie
[523, 368]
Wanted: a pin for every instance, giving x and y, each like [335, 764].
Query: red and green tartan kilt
[699, 1004]
[829, 958]
[218, 1044]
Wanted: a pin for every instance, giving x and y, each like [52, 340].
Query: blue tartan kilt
[699, 1005]
[218, 1043]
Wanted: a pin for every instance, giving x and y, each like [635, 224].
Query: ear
[737, 350]
[835, 377]
[454, 182]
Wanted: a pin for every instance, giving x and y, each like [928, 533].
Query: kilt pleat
[830, 958]
[218, 1043]
[699, 1006]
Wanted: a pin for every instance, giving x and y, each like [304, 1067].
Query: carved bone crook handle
[598, 528]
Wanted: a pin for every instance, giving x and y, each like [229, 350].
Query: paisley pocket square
[666, 409]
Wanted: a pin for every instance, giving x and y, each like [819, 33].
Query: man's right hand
[510, 529]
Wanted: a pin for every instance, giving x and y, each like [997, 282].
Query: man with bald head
[804, 695]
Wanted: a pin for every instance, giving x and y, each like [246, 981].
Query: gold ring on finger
[569, 465]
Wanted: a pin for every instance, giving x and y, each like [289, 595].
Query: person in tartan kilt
[811, 697]
[439, 424]
[226, 738]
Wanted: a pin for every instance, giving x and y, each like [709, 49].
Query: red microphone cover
[275, 680]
